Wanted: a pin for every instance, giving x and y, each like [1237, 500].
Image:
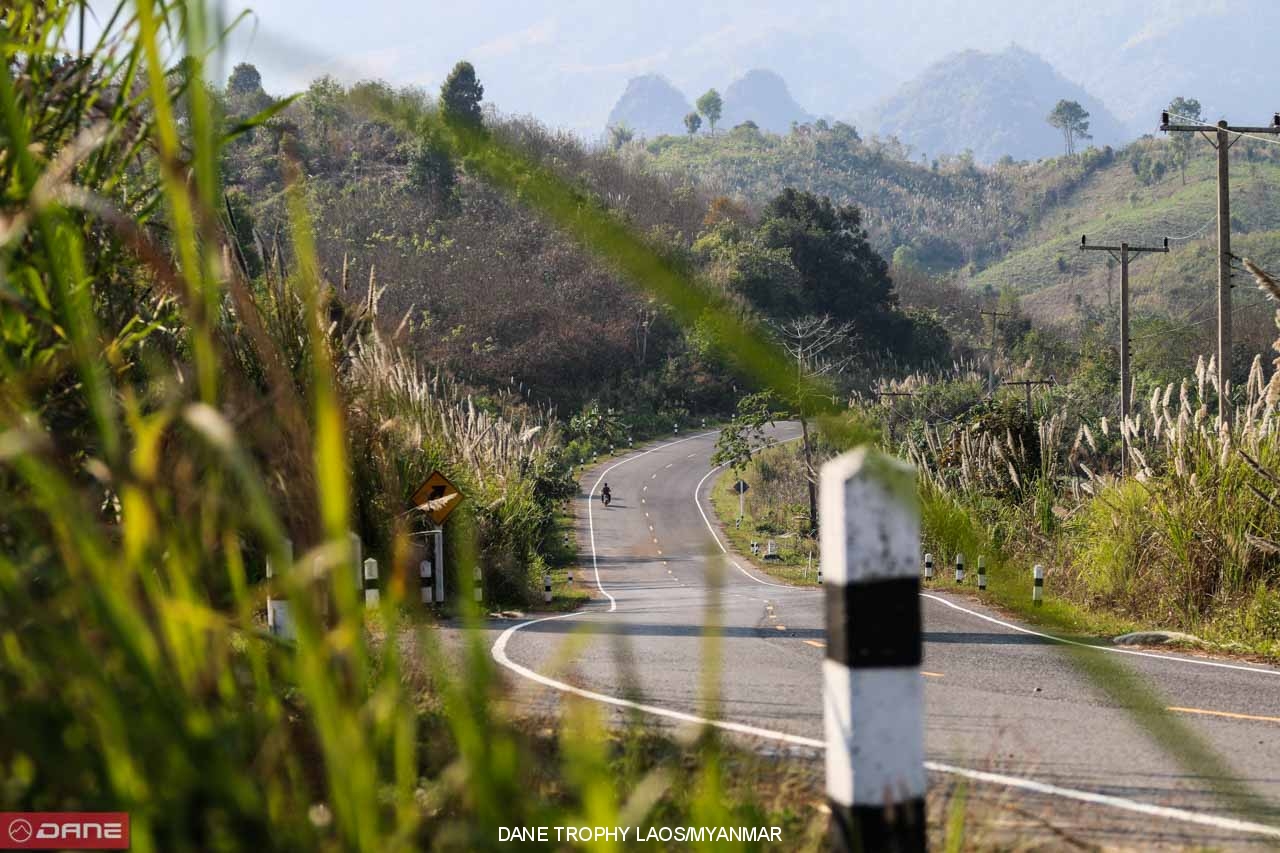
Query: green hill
[1126, 202]
[1014, 226]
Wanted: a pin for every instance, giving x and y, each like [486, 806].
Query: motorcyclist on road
[606, 495]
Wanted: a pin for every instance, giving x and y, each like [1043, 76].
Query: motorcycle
[606, 498]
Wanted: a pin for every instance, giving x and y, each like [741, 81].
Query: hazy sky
[567, 62]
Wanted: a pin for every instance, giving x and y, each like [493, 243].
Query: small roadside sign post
[437, 497]
[741, 488]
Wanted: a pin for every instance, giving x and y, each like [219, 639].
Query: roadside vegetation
[237, 328]
[182, 399]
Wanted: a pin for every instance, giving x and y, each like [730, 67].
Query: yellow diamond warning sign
[437, 497]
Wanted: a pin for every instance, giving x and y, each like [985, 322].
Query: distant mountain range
[651, 106]
[993, 104]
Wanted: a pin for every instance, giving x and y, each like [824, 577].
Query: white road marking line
[1065, 641]
[499, 653]
[696, 502]
[591, 499]
[669, 464]
[1198, 661]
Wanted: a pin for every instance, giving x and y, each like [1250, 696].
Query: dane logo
[64, 831]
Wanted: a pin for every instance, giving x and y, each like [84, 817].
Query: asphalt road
[1007, 709]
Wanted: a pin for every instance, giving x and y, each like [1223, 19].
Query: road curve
[1005, 707]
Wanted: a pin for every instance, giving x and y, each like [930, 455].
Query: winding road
[1006, 708]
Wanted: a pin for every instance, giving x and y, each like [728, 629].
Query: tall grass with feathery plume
[167, 424]
[1190, 539]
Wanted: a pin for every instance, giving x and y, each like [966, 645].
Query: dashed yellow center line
[781, 627]
[1231, 715]
[930, 674]
[645, 488]
[659, 552]
[815, 644]
[654, 476]
[669, 464]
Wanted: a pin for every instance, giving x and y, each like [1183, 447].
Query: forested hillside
[484, 289]
[949, 211]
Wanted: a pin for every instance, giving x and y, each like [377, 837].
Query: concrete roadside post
[278, 621]
[928, 567]
[479, 585]
[1037, 585]
[959, 567]
[982, 573]
[438, 564]
[873, 698]
[371, 594]
[426, 581]
[546, 587]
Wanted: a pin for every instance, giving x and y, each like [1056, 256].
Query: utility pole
[1026, 387]
[1126, 388]
[991, 353]
[1222, 141]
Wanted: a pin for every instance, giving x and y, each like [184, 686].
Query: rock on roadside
[1159, 638]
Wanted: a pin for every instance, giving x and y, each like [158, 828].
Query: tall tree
[818, 347]
[692, 122]
[1073, 120]
[1186, 109]
[460, 96]
[620, 135]
[244, 80]
[840, 273]
[711, 105]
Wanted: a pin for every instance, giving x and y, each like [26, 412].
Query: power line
[1126, 384]
[1248, 133]
[1222, 142]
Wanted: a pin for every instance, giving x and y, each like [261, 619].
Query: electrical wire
[1208, 126]
[1198, 231]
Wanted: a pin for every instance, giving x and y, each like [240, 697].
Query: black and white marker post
[873, 698]
[928, 567]
[370, 583]
[426, 581]
[982, 572]
[959, 568]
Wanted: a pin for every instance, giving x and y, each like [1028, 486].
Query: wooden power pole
[1222, 140]
[991, 353]
[1126, 381]
[1027, 385]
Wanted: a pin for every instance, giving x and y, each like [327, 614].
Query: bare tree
[814, 344]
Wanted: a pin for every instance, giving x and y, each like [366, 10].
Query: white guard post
[873, 698]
